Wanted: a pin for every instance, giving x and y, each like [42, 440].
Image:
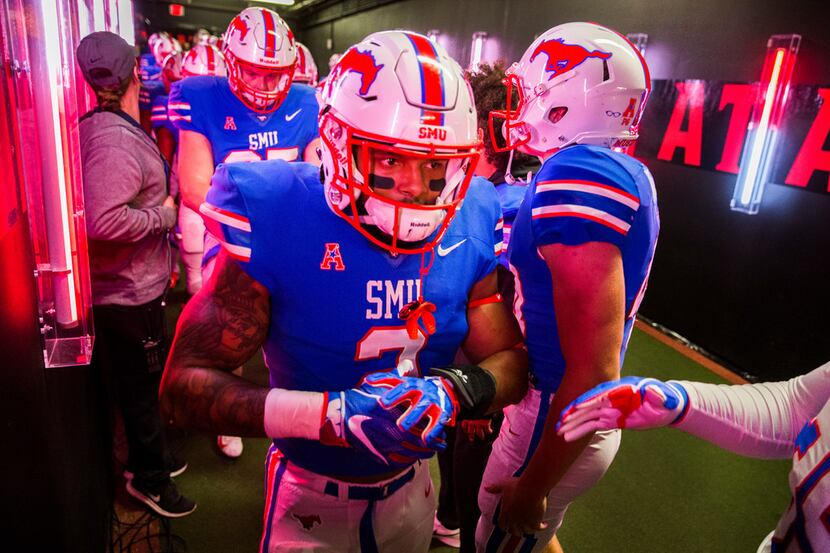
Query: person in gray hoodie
[129, 213]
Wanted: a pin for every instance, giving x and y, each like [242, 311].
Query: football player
[253, 114]
[306, 72]
[580, 251]
[151, 82]
[771, 421]
[344, 281]
[199, 60]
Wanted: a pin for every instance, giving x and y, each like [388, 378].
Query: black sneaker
[168, 502]
[179, 466]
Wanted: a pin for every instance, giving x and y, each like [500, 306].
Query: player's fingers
[574, 432]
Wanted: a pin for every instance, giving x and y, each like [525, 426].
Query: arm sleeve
[108, 193]
[158, 115]
[580, 197]
[755, 420]
[226, 216]
[183, 108]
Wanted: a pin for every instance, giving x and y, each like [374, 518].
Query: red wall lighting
[177, 10]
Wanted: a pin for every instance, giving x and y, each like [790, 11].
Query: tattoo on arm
[220, 328]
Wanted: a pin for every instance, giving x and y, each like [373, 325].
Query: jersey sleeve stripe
[225, 217]
[500, 248]
[179, 105]
[162, 117]
[588, 187]
[583, 212]
[160, 108]
[240, 253]
[500, 224]
[175, 117]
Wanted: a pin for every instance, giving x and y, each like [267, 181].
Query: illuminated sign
[176, 10]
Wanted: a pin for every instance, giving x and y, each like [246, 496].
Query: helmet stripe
[432, 79]
[211, 63]
[270, 34]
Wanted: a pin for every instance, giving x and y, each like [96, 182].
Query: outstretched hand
[631, 402]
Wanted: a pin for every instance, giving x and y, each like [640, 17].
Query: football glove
[424, 406]
[356, 418]
[631, 402]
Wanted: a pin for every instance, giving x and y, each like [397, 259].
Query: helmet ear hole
[556, 114]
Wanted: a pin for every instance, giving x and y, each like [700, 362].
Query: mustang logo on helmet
[239, 25]
[362, 63]
[564, 57]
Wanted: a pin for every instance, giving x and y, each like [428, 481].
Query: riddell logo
[362, 63]
[432, 133]
[564, 57]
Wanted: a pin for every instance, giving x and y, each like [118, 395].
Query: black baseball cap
[106, 59]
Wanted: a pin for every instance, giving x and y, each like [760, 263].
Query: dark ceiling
[214, 15]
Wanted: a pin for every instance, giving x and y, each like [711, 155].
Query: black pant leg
[135, 346]
[447, 508]
[470, 459]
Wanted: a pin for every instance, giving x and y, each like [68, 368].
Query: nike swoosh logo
[356, 428]
[293, 115]
[444, 251]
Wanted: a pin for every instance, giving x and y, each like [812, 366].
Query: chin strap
[420, 310]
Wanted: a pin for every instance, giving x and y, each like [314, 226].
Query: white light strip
[98, 21]
[276, 2]
[126, 26]
[761, 133]
[53, 63]
[477, 49]
[83, 19]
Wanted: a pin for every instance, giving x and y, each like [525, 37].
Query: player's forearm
[756, 420]
[194, 189]
[509, 368]
[552, 458]
[211, 400]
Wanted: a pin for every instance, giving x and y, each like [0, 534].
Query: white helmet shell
[398, 91]
[578, 83]
[306, 71]
[165, 45]
[203, 59]
[258, 38]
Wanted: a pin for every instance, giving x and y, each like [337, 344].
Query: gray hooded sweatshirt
[124, 187]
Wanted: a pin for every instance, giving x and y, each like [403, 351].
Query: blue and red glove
[422, 406]
[357, 418]
[631, 402]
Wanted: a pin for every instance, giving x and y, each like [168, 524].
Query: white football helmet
[203, 59]
[260, 54]
[578, 83]
[306, 71]
[397, 92]
[171, 69]
[163, 46]
[201, 36]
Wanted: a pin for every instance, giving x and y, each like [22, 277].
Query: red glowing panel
[177, 10]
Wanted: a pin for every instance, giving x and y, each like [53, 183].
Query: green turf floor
[666, 492]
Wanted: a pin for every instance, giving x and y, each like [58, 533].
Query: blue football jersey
[205, 104]
[148, 92]
[335, 297]
[159, 118]
[510, 198]
[581, 194]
